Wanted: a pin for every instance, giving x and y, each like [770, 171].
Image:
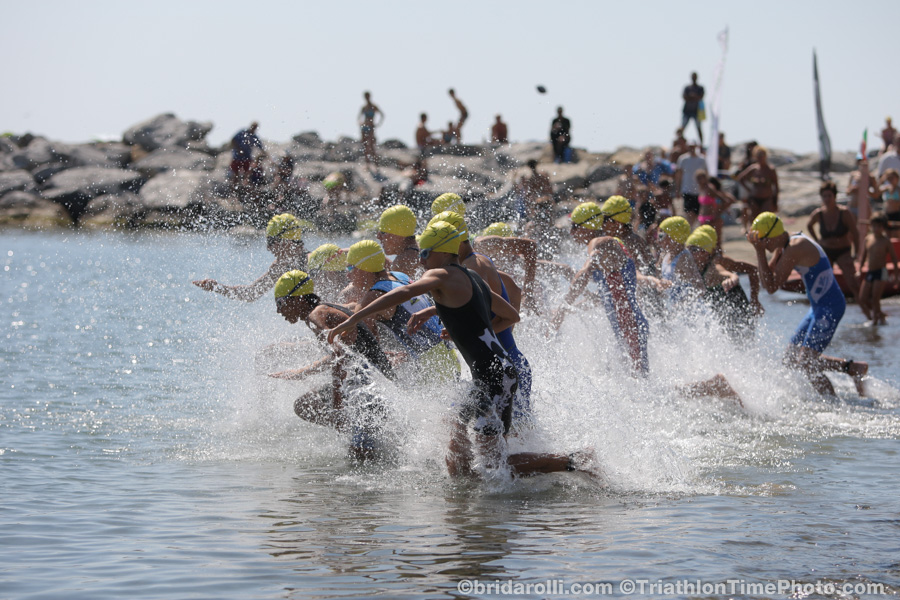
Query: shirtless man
[888, 134]
[499, 132]
[761, 181]
[367, 127]
[424, 139]
[799, 253]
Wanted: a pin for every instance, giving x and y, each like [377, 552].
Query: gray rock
[602, 172]
[166, 131]
[172, 159]
[38, 152]
[109, 155]
[109, 208]
[24, 208]
[42, 174]
[309, 139]
[19, 180]
[92, 181]
[7, 145]
[179, 190]
[20, 200]
[393, 144]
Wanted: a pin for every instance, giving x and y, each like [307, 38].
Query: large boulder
[166, 131]
[19, 180]
[74, 188]
[28, 209]
[110, 209]
[102, 154]
[38, 152]
[175, 191]
[173, 159]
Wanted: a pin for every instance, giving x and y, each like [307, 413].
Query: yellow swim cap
[676, 228]
[454, 219]
[499, 228]
[334, 180]
[294, 283]
[440, 236]
[399, 220]
[618, 208]
[588, 215]
[710, 231]
[366, 255]
[448, 201]
[285, 227]
[327, 257]
[701, 239]
[767, 225]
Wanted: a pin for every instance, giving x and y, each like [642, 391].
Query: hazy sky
[79, 70]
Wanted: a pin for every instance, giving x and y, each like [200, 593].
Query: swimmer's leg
[460, 456]
[317, 407]
[717, 386]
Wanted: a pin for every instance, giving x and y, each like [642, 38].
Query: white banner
[712, 152]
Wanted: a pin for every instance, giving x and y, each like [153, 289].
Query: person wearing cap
[448, 202]
[296, 300]
[284, 239]
[616, 219]
[724, 294]
[498, 242]
[465, 303]
[366, 264]
[328, 265]
[502, 284]
[612, 267]
[677, 266]
[397, 234]
[799, 253]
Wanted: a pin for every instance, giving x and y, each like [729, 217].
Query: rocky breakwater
[164, 173]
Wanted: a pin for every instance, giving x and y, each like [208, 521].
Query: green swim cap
[294, 283]
[499, 228]
[448, 201]
[454, 219]
[588, 215]
[676, 228]
[366, 255]
[398, 220]
[440, 236]
[327, 257]
[285, 227]
[767, 225]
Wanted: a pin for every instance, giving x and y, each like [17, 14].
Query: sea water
[144, 452]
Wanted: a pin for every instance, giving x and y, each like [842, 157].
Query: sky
[78, 71]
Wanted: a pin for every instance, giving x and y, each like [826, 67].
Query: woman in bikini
[837, 234]
[367, 127]
[713, 202]
[761, 180]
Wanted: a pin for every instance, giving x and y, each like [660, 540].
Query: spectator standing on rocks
[889, 160]
[561, 137]
[242, 145]
[424, 139]
[367, 127]
[724, 165]
[679, 145]
[686, 182]
[693, 97]
[463, 114]
[888, 134]
[499, 132]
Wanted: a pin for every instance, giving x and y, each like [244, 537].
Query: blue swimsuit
[428, 336]
[628, 288]
[826, 303]
[680, 290]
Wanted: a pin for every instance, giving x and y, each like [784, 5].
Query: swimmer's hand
[290, 374]
[209, 285]
[342, 330]
[445, 335]
[416, 320]
[755, 240]
[757, 307]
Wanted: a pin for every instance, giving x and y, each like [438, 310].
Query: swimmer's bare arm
[772, 276]
[505, 315]
[576, 288]
[743, 175]
[512, 289]
[416, 320]
[297, 374]
[430, 281]
[813, 219]
[752, 273]
[246, 293]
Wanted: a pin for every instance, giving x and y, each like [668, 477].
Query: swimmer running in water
[367, 271]
[284, 239]
[396, 232]
[503, 285]
[464, 303]
[799, 253]
[295, 300]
